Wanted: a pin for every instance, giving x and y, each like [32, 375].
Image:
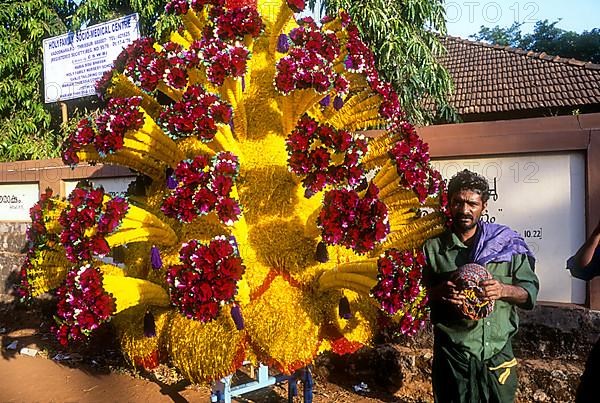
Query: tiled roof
[492, 78]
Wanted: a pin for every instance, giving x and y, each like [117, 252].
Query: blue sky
[464, 17]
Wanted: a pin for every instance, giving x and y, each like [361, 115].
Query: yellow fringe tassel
[193, 23]
[130, 291]
[412, 235]
[368, 266]
[134, 160]
[353, 281]
[149, 234]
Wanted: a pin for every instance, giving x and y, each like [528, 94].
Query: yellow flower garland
[287, 298]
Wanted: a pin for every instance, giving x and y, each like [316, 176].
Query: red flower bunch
[220, 58]
[146, 67]
[390, 104]
[176, 61]
[83, 135]
[83, 305]
[296, 5]
[204, 186]
[240, 3]
[87, 221]
[309, 36]
[354, 222]
[360, 59]
[411, 156]
[197, 113]
[206, 278]
[177, 7]
[238, 22]
[219, 50]
[37, 235]
[409, 324]
[146, 71]
[142, 64]
[197, 5]
[309, 62]
[169, 66]
[317, 162]
[126, 60]
[443, 194]
[120, 116]
[38, 238]
[399, 279]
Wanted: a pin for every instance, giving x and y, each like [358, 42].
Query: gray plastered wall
[12, 241]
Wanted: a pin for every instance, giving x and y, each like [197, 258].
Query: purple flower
[283, 44]
[348, 63]
[325, 101]
[171, 182]
[338, 103]
[155, 258]
[236, 315]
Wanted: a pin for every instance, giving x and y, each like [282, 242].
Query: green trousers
[459, 377]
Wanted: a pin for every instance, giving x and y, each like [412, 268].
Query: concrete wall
[12, 240]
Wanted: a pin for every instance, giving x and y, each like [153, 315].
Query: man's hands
[492, 289]
[446, 292]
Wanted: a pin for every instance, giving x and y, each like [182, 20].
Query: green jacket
[486, 337]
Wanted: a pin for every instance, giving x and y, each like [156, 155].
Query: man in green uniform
[473, 359]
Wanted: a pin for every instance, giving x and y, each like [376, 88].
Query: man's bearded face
[466, 208]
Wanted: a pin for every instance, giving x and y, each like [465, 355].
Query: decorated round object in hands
[468, 280]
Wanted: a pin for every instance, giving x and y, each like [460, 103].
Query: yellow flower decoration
[277, 141]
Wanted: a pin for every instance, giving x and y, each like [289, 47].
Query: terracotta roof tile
[501, 79]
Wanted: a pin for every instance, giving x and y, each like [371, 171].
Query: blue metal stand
[223, 391]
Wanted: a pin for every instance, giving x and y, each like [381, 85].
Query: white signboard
[113, 186]
[542, 198]
[73, 62]
[16, 200]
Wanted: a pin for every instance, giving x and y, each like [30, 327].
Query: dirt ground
[550, 365]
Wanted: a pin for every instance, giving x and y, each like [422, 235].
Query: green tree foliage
[26, 125]
[510, 36]
[404, 35]
[153, 21]
[30, 129]
[546, 37]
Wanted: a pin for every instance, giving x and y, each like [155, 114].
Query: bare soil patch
[395, 370]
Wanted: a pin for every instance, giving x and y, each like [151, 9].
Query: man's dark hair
[467, 180]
